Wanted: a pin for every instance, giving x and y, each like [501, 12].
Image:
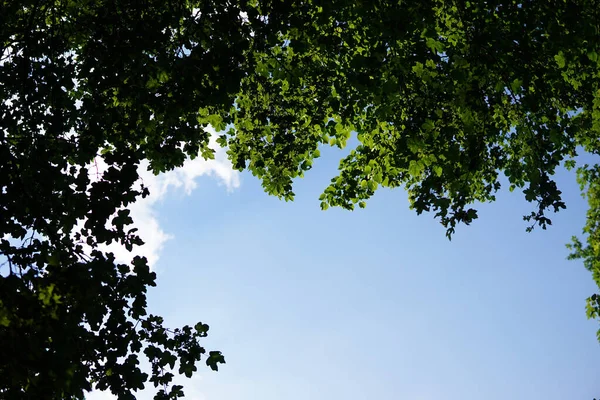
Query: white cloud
[97, 395]
[183, 178]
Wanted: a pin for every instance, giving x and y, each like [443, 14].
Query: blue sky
[371, 304]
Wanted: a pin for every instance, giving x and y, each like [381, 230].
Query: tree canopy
[445, 98]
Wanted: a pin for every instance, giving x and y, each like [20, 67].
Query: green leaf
[560, 59]
[214, 359]
[415, 168]
[516, 85]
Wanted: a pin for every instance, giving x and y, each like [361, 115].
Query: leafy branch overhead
[442, 97]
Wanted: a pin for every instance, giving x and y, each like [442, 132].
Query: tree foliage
[445, 98]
